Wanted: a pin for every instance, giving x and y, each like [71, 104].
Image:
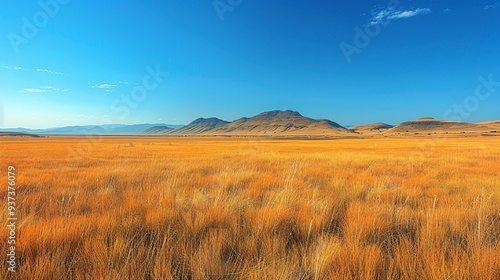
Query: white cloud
[5, 66]
[34, 90]
[492, 6]
[122, 82]
[104, 86]
[387, 15]
[48, 71]
[43, 89]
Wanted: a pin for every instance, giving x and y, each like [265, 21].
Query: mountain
[272, 123]
[90, 129]
[130, 129]
[77, 130]
[494, 125]
[199, 126]
[280, 123]
[370, 128]
[160, 129]
[431, 125]
[18, 134]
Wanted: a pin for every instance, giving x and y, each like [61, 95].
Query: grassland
[215, 208]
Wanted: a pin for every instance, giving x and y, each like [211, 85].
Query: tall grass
[180, 208]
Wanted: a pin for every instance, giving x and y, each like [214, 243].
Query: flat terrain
[243, 208]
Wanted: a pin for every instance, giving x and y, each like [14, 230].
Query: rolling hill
[370, 128]
[280, 123]
[272, 123]
[431, 125]
[159, 129]
[198, 126]
[494, 125]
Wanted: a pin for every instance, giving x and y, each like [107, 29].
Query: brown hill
[280, 123]
[430, 125]
[494, 125]
[371, 128]
[199, 126]
[159, 129]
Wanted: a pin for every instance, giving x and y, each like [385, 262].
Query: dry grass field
[237, 208]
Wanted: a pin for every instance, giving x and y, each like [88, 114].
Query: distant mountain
[90, 129]
[431, 125]
[84, 130]
[18, 134]
[370, 128]
[495, 125]
[160, 129]
[280, 123]
[272, 123]
[199, 126]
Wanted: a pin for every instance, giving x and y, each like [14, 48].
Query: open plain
[254, 208]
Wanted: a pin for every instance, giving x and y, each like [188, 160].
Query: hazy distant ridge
[273, 123]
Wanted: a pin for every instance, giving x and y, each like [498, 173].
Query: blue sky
[93, 62]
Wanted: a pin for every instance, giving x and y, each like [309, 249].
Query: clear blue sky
[84, 62]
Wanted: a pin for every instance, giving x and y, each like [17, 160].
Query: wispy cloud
[387, 15]
[104, 86]
[48, 71]
[5, 66]
[43, 89]
[109, 87]
[492, 6]
[34, 90]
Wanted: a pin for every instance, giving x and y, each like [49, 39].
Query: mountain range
[291, 123]
[111, 129]
[275, 123]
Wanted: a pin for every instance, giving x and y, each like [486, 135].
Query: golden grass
[216, 208]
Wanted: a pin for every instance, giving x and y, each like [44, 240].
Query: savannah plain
[243, 208]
